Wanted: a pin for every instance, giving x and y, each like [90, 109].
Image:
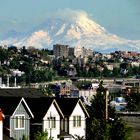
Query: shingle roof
[39, 106]
[67, 105]
[8, 105]
[22, 92]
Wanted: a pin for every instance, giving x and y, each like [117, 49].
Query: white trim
[54, 101]
[83, 107]
[28, 107]
[22, 99]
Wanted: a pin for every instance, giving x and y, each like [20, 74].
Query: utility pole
[106, 105]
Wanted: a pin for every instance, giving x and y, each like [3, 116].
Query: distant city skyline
[118, 17]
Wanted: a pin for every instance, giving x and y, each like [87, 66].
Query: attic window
[51, 122]
[76, 121]
[19, 121]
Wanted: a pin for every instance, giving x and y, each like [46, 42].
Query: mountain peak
[74, 28]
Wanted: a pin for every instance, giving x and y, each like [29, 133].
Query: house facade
[51, 121]
[74, 121]
[17, 118]
[61, 118]
[77, 124]
[47, 116]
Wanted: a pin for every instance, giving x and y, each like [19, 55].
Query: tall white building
[82, 52]
[78, 51]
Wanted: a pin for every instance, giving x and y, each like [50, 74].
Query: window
[51, 122]
[19, 121]
[76, 121]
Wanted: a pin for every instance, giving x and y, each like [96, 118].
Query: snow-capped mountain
[78, 30]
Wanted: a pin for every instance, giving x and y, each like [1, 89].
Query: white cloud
[69, 14]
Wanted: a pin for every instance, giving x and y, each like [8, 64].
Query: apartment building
[60, 50]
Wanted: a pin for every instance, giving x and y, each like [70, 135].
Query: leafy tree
[136, 70]
[116, 72]
[124, 65]
[41, 136]
[77, 137]
[3, 55]
[25, 137]
[106, 72]
[47, 90]
[98, 128]
[12, 49]
[133, 101]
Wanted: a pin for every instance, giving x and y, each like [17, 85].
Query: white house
[51, 121]
[74, 121]
[47, 116]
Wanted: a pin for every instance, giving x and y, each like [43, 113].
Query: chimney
[1, 125]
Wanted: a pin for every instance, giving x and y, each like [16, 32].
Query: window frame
[19, 121]
[51, 122]
[76, 121]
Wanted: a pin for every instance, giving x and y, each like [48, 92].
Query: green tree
[133, 101]
[116, 72]
[3, 55]
[25, 137]
[106, 72]
[100, 128]
[41, 136]
[77, 137]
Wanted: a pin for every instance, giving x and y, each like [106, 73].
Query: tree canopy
[133, 100]
[98, 128]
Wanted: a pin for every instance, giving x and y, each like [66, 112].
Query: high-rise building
[71, 51]
[60, 50]
[82, 52]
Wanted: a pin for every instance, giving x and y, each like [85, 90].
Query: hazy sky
[121, 17]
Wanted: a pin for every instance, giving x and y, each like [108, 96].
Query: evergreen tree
[100, 128]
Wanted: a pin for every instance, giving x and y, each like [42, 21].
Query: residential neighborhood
[61, 118]
[69, 70]
[53, 91]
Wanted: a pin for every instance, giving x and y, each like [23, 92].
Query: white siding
[80, 131]
[53, 132]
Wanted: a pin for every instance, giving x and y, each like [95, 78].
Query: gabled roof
[26, 107]
[21, 92]
[67, 105]
[9, 105]
[40, 106]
